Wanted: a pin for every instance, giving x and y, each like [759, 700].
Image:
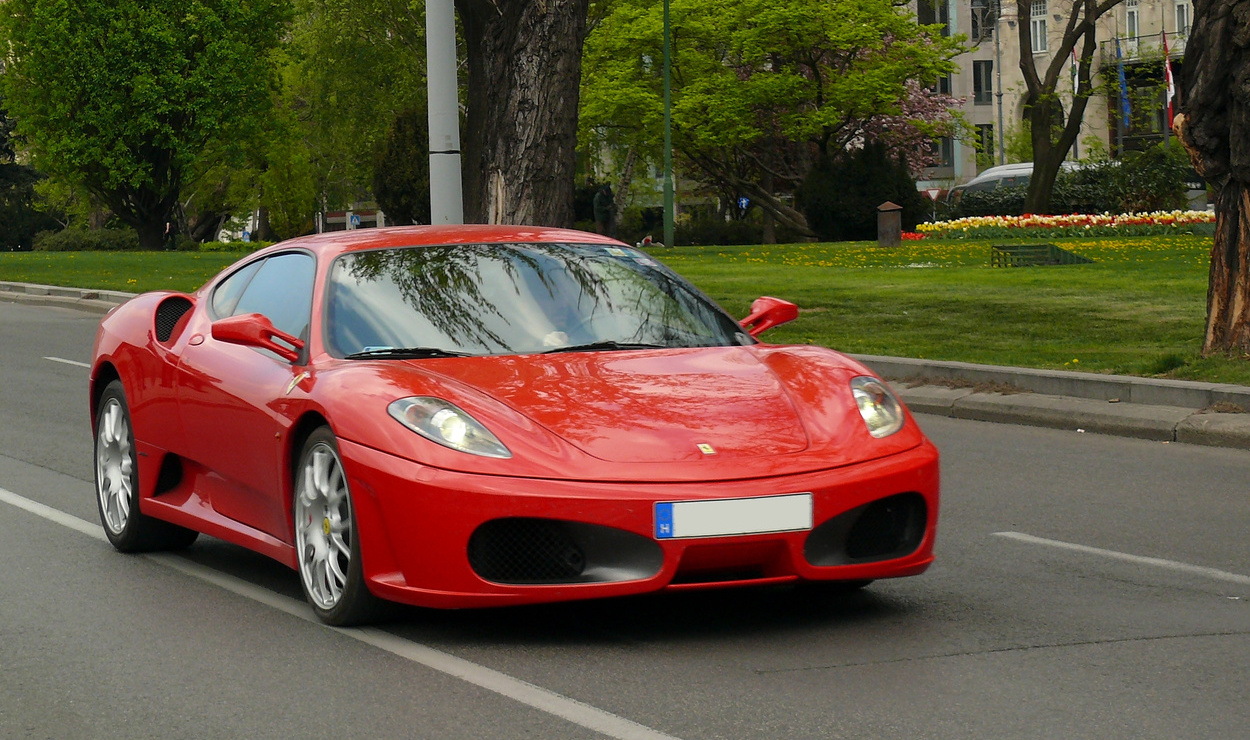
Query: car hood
[643, 406]
[700, 414]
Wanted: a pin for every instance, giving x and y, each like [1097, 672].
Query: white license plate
[722, 517]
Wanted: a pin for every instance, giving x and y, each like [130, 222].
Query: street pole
[998, 70]
[446, 191]
[668, 132]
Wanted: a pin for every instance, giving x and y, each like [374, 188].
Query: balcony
[1148, 48]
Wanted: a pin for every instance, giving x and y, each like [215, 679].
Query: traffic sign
[933, 193]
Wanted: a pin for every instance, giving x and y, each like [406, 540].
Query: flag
[1075, 82]
[1126, 110]
[1167, 75]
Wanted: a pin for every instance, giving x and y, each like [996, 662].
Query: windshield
[487, 299]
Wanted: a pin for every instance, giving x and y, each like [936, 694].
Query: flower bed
[1031, 226]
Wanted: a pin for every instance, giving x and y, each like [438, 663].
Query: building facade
[991, 85]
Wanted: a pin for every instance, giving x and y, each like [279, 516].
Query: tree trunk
[770, 223]
[622, 186]
[1042, 101]
[525, 59]
[151, 235]
[1214, 127]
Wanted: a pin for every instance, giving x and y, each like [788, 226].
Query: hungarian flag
[1167, 74]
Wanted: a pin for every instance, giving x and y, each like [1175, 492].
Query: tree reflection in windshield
[515, 299]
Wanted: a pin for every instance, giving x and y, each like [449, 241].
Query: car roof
[335, 242]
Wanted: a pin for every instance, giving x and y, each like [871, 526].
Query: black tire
[329, 567]
[117, 483]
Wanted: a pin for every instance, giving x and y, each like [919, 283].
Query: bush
[83, 240]
[717, 232]
[235, 246]
[840, 198]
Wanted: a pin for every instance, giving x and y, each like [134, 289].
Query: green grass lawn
[1138, 309]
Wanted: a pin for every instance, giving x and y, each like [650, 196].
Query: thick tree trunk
[1228, 289]
[1215, 128]
[525, 59]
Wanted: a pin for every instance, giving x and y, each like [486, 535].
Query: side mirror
[767, 312]
[256, 330]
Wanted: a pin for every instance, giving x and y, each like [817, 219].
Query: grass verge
[1139, 309]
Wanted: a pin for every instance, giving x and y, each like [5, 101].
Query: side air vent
[168, 314]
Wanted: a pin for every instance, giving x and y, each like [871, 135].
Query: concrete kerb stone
[1124, 388]
[93, 301]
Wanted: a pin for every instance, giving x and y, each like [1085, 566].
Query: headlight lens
[882, 412]
[443, 422]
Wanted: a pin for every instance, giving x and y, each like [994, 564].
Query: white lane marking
[524, 692]
[76, 363]
[1197, 570]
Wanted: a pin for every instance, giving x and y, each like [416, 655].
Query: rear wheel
[117, 483]
[326, 540]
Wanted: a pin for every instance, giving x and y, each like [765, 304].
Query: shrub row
[125, 240]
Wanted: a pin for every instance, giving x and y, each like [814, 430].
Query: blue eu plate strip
[663, 521]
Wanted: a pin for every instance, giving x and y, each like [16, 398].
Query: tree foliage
[352, 66]
[123, 95]
[401, 173]
[763, 87]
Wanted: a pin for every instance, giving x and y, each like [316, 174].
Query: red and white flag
[1167, 74]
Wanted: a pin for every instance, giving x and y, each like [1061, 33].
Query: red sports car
[469, 416]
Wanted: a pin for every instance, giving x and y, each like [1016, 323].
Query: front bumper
[416, 525]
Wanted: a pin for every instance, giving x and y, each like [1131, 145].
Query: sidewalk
[1209, 414]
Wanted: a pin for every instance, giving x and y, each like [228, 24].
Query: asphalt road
[1117, 605]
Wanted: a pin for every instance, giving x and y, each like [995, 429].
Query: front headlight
[442, 422]
[882, 412]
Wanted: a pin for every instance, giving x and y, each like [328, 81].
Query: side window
[226, 295]
[282, 291]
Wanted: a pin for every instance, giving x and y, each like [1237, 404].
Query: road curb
[92, 301]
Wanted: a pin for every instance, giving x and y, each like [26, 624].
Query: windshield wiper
[403, 353]
[605, 345]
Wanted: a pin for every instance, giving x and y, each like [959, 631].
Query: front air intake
[888, 528]
[526, 551]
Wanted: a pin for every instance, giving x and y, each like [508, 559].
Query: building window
[983, 21]
[931, 12]
[1037, 26]
[1132, 29]
[985, 145]
[1182, 19]
[982, 82]
[943, 151]
[943, 86]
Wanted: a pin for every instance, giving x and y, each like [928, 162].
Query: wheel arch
[303, 428]
[104, 374]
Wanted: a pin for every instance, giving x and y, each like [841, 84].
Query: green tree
[401, 173]
[352, 67]
[122, 96]
[764, 88]
[19, 219]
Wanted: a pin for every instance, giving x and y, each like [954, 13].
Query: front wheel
[326, 539]
[117, 483]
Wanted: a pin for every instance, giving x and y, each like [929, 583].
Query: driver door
[229, 394]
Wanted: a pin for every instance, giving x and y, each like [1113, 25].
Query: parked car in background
[1002, 176]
